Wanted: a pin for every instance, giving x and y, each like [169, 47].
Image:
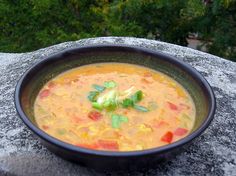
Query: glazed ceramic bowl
[33, 80]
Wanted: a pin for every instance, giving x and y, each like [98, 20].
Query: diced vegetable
[116, 120]
[167, 137]
[110, 105]
[97, 106]
[145, 128]
[180, 131]
[172, 106]
[108, 144]
[45, 127]
[127, 103]
[137, 96]
[99, 88]
[89, 146]
[51, 84]
[95, 115]
[93, 96]
[140, 108]
[44, 93]
[110, 84]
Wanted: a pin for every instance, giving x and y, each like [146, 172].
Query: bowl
[32, 81]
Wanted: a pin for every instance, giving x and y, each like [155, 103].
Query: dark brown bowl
[33, 80]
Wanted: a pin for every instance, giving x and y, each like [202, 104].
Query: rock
[213, 153]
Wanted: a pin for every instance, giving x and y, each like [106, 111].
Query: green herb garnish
[92, 96]
[99, 88]
[110, 84]
[110, 105]
[137, 96]
[127, 103]
[140, 108]
[116, 120]
[97, 106]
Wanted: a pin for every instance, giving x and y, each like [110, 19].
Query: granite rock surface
[213, 153]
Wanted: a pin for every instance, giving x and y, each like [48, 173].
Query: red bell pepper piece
[108, 145]
[167, 137]
[95, 115]
[180, 131]
[172, 106]
[45, 127]
[89, 146]
[51, 85]
[44, 93]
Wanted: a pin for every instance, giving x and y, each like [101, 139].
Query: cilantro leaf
[127, 103]
[137, 96]
[97, 106]
[110, 84]
[116, 120]
[98, 88]
[92, 96]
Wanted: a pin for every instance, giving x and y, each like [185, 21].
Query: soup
[114, 106]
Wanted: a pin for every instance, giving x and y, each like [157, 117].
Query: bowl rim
[160, 55]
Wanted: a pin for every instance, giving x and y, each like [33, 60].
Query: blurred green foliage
[26, 25]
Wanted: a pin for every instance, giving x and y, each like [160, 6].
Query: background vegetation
[26, 25]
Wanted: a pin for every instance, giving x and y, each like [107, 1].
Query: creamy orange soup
[114, 106]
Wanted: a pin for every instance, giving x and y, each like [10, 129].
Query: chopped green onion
[140, 108]
[110, 105]
[97, 106]
[93, 96]
[137, 96]
[116, 120]
[127, 103]
[110, 84]
[99, 88]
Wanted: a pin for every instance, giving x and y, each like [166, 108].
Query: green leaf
[110, 84]
[110, 105]
[140, 108]
[137, 96]
[99, 88]
[92, 96]
[116, 120]
[97, 106]
[127, 103]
